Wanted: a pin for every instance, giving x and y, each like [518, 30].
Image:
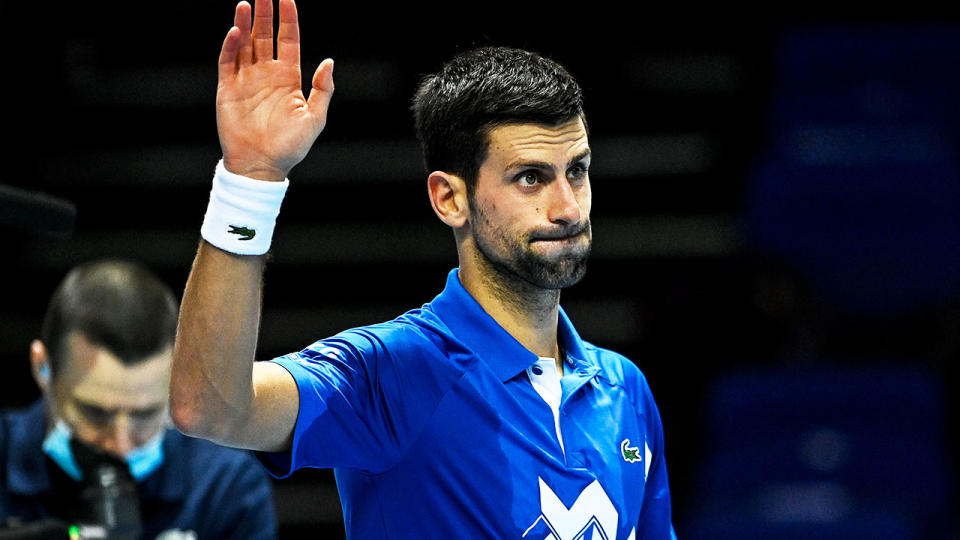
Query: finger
[322, 91]
[262, 30]
[228, 54]
[288, 34]
[241, 20]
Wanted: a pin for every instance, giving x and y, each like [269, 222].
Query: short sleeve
[365, 395]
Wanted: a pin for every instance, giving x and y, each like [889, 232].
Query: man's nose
[120, 440]
[564, 208]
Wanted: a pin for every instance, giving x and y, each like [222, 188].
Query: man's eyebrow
[113, 410]
[582, 156]
[522, 164]
[91, 406]
[543, 165]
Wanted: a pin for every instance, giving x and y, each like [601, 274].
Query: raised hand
[265, 122]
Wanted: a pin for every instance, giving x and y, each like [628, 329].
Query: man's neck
[528, 313]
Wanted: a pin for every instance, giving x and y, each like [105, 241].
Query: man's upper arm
[365, 395]
[273, 416]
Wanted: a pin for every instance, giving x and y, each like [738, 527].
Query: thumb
[322, 90]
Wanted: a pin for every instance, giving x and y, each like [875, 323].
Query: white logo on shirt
[331, 352]
[591, 517]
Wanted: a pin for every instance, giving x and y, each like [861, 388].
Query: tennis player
[482, 414]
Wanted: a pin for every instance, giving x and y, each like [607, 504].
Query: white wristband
[242, 212]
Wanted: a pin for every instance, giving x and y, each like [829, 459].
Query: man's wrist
[242, 212]
[255, 170]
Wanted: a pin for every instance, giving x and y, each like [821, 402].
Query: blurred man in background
[95, 456]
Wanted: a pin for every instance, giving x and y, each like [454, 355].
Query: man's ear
[40, 364]
[448, 196]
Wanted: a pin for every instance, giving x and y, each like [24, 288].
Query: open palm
[266, 123]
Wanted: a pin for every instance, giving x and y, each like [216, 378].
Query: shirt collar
[473, 326]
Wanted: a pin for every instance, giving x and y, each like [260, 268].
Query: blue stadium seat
[871, 239]
[828, 452]
[858, 188]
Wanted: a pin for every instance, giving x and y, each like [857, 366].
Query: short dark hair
[118, 305]
[479, 89]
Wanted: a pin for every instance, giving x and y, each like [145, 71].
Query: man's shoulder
[216, 491]
[416, 334]
[616, 368]
[22, 414]
[415, 328]
[22, 425]
[196, 468]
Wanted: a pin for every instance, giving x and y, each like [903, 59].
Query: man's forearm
[211, 385]
[266, 125]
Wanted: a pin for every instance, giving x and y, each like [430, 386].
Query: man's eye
[577, 172]
[528, 178]
[146, 414]
[96, 414]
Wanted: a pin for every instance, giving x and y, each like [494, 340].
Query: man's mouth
[559, 236]
[567, 241]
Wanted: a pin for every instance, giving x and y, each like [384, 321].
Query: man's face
[107, 404]
[530, 212]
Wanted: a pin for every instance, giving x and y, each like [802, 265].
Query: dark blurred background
[777, 225]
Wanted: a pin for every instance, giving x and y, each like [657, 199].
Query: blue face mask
[142, 460]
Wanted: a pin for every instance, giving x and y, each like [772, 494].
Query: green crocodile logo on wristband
[243, 232]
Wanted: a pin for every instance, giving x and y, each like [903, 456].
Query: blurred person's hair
[117, 305]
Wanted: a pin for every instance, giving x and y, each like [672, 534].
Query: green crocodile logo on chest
[631, 454]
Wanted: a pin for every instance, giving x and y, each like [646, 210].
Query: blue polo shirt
[435, 431]
[213, 491]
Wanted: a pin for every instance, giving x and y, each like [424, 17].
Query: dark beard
[530, 267]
